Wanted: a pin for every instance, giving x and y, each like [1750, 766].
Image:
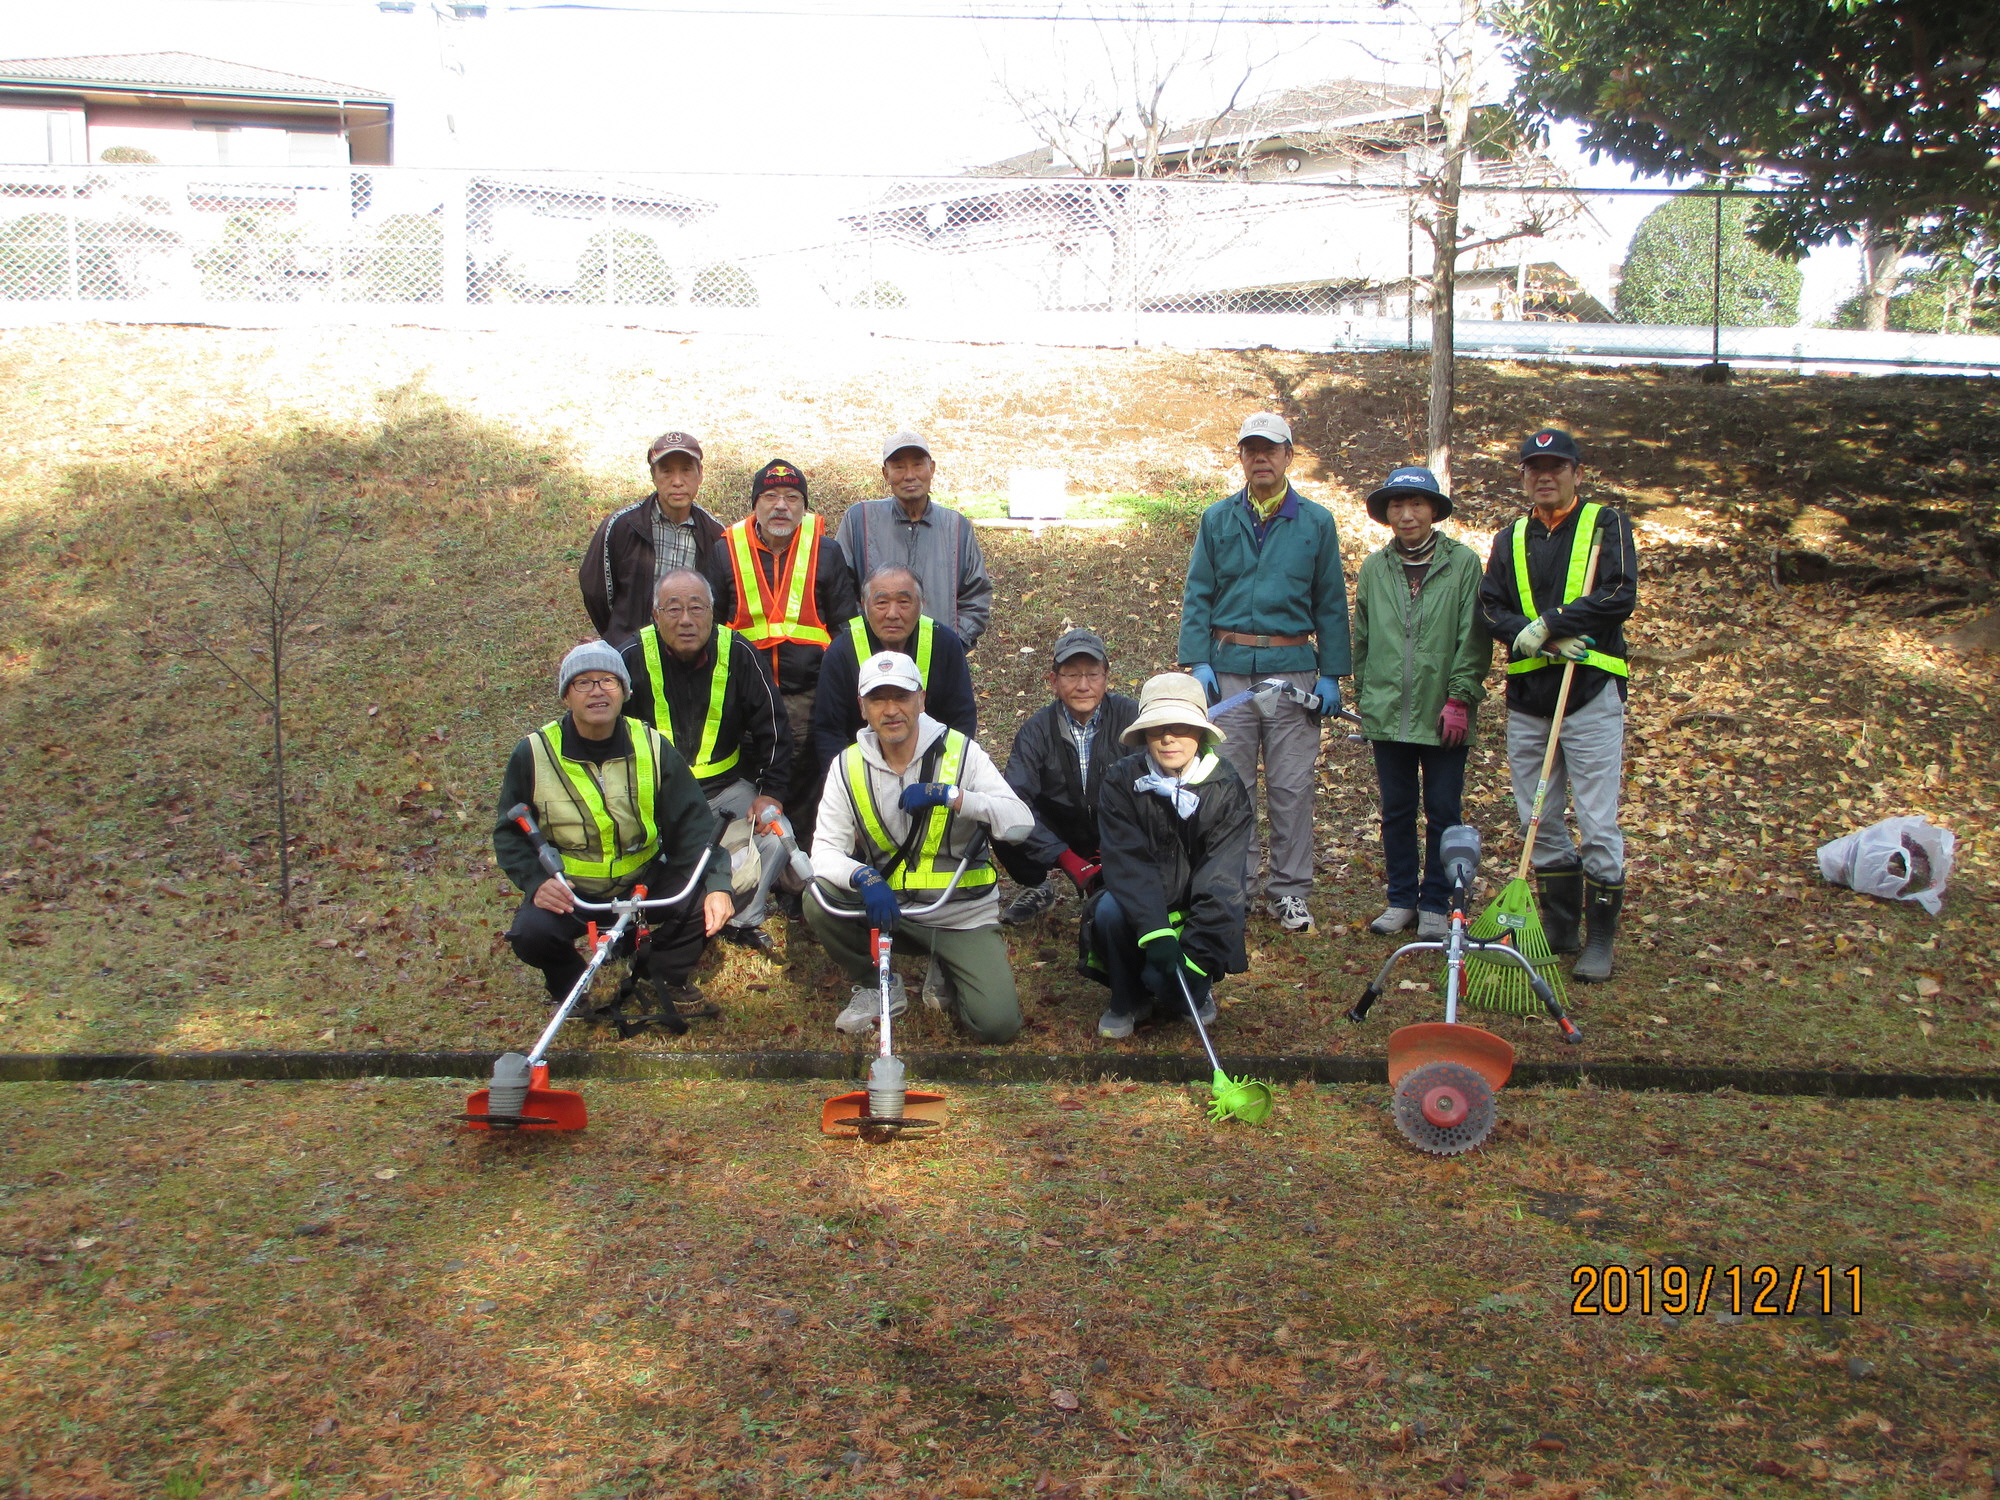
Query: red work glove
[1079, 870]
[1455, 722]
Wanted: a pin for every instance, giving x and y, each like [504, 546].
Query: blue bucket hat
[1409, 481]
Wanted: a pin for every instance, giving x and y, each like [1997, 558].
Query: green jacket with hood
[1411, 652]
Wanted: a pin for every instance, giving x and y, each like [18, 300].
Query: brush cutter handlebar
[964, 863]
[546, 854]
[1500, 951]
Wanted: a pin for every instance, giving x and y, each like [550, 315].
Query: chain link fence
[1319, 265]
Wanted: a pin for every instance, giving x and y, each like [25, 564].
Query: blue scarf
[1178, 793]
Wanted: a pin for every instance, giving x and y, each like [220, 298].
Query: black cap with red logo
[778, 474]
[1551, 442]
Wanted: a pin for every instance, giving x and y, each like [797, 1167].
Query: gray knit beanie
[591, 656]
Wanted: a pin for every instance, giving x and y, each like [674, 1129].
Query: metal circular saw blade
[1408, 1108]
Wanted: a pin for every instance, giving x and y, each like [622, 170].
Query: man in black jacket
[1056, 764]
[590, 772]
[1533, 600]
[892, 618]
[705, 689]
[634, 548]
[1175, 821]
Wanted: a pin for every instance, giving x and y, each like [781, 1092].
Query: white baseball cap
[889, 669]
[1268, 425]
[909, 437]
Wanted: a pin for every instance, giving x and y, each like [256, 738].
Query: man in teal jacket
[1420, 659]
[1266, 597]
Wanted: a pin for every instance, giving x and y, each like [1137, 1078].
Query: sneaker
[1114, 1027]
[1208, 1009]
[756, 939]
[1392, 921]
[1291, 914]
[864, 1007]
[940, 989]
[1031, 903]
[1433, 926]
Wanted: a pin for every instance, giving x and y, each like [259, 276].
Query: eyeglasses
[682, 611]
[1078, 678]
[594, 684]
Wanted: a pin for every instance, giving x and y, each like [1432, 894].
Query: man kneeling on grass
[901, 807]
[1175, 821]
[618, 803]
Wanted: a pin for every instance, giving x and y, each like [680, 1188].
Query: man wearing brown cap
[636, 547]
[783, 584]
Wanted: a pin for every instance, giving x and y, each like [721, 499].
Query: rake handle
[1555, 733]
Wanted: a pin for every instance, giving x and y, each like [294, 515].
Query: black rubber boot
[1561, 891]
[1603, 901]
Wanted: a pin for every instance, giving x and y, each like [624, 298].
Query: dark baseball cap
[1410, 480]
[1551, 442]
[1079, 642]
[672, 442]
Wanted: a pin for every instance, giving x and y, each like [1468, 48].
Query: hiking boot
[1114, 1027]
[864, 1007]
[1433, 926]
[756, 939]
[1604, 900]
[1561, 891]
[1291, 914]
[1031, 903]
[1392, 921]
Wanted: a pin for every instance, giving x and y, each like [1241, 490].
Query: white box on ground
[1037, 494]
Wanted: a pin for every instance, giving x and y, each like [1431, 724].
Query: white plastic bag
[1903, 859]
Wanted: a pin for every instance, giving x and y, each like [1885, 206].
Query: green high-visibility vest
[925, 872]
[926, 630]
[1579, 564]
[584, 820]
[703, 762]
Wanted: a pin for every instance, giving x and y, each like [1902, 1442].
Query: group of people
[766, 686]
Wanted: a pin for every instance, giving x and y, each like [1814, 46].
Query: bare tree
[281, 555]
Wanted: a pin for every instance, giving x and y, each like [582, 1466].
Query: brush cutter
[887, 1107]
[1445, 1074]
[1242, 1099]
[519, 1096]
[1514, 918]
[1277, 687]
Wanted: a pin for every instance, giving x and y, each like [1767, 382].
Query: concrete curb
[963, 1068]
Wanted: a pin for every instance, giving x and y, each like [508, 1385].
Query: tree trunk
[1455, 105]
[1881, 252]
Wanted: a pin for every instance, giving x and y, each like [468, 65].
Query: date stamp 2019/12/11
[1759, 1291]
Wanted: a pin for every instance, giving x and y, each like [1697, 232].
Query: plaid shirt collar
[1083, 736]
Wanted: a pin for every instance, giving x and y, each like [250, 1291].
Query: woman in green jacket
[1420, 659]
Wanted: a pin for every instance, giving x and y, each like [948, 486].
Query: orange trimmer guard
[917, 1105]
[1410, 1047]
[544, 1108]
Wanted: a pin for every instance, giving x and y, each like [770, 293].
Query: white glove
[1529, 641]
[1569, 647]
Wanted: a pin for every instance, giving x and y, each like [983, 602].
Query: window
[42, 137]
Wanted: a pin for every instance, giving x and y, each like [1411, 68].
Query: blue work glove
[878, 900]
[1327, 690]
[1204, 674]
[1164, 958]
[925, 794]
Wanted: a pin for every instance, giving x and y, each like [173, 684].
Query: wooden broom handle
[1555, 729]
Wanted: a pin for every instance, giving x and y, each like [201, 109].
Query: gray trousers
[733, 801]
[1288, 739]
[975, 959]
[1589, 764]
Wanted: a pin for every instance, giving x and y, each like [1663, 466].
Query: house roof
[174, 72]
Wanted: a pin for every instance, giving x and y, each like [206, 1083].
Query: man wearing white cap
[1266, 597]
[911, 530]
[901, 808]
[616, 800]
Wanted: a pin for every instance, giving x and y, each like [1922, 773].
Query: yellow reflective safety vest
[930, 868]
[926, 632]
[789, 613]
[704, 763]
[599, 818]
[1579, 564]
